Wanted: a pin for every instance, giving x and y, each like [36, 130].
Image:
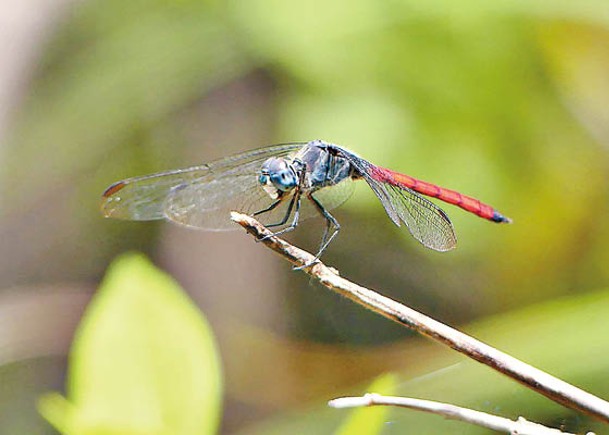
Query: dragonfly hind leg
[325, 240]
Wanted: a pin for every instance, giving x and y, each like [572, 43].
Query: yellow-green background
[503, 100]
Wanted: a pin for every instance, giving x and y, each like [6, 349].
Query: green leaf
[143, 361]
[370, 420]
[56, 410]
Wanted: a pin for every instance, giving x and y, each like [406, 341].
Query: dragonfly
[284, 184]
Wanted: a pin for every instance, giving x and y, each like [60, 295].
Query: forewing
[207, 205]
[146, 197]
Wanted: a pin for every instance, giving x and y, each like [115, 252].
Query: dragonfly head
[277, 176]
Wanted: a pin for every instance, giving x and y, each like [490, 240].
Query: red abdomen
[452, 197]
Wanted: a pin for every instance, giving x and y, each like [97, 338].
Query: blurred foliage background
[504, 100]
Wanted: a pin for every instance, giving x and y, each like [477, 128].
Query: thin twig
[537, 380]
[490, 421]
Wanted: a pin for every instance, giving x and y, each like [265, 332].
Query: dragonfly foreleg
[269, 208]
[294, 224]
[273, 206]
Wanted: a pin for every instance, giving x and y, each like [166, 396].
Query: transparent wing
[426, 222]
[207, 205]
[203, 196]
[331, 197]
[145, 198]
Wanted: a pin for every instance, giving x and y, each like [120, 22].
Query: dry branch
[537, 380]
[452, 412]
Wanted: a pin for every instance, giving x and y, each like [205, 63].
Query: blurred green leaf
[57, 410]
[370, 420]
[143, 361]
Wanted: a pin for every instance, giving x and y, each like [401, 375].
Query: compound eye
[279, 172]
[284, 179]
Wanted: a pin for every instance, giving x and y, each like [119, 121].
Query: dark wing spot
[113, 189]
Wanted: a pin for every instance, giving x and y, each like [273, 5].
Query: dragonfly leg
[275, 204]
[269, 208]
[294, 224]
[325, 240]
[326, 232]
[329, 224]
